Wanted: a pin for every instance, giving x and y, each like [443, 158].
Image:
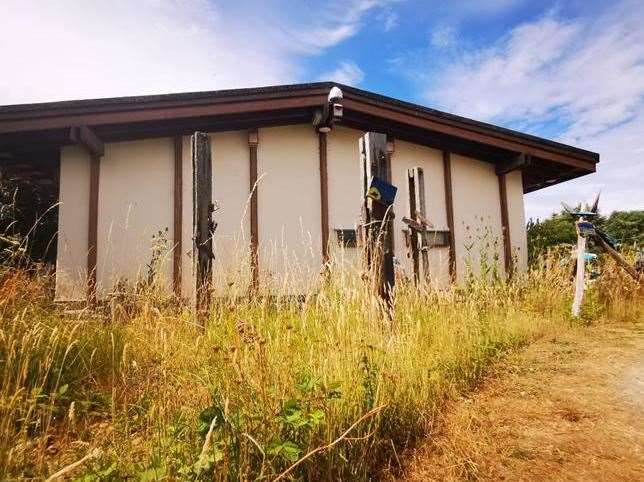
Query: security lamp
[335, 100]
[335, 95]
[332, 111]
[337, 111]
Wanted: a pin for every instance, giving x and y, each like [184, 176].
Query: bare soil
[564, 408]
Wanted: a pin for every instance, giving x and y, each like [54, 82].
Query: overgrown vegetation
[28, 221]
[268, 381]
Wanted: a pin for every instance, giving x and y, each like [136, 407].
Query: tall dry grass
[269, 379]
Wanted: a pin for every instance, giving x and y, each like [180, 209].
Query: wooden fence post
[413, 234]
[377, 214]
[203, 225]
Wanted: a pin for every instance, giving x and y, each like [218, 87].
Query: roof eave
[293, 103]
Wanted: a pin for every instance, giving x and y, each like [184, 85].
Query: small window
[347, 237]
[438, 239]
[435, 239]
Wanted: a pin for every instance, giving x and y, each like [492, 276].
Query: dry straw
[273, 383]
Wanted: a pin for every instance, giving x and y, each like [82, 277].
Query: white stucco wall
[188, 286]
[343, 168]
[231, 177]
[73, 218]
[289, 209]
[477, 215]
[136, 201]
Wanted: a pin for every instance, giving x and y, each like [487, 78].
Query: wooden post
[92, 227]
[202, 221]
[580, 279]
[178, 215]
[449, 207]
[87, 138]
[324, 196]
[505, 223]
[376, 215]
[617, 257]
[253, 141]
[413, 235]
[391, 148]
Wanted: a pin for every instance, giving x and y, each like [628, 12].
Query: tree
[626, 227]
[556, 230]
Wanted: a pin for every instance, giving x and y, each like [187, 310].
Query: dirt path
[565, 408]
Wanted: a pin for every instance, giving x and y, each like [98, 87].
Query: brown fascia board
[450, 124]
[170, 100]
[160, 108]
[97, 112]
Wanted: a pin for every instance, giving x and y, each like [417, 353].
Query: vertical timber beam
[505, 224]
[324, 196]
[92, 227]
[253, 141]
[449, 207]
[177, 215]
[202, 221]
[86, 138]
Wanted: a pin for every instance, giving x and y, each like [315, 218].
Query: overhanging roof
[47, 125]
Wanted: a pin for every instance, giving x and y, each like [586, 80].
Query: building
[123, 171]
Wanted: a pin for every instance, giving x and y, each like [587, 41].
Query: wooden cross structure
[417, 236]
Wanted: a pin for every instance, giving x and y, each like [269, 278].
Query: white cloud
[66, 49]
[619, 174]
[318, 25]
[74, 49]
[389, 19]
[584, 75]
[346, 73]
[443, 37]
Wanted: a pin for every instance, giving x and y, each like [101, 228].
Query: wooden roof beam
[519, 162]
[85, 137]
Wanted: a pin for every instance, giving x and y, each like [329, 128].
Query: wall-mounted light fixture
[323, 119]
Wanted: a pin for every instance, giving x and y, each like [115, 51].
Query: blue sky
[572, 70]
